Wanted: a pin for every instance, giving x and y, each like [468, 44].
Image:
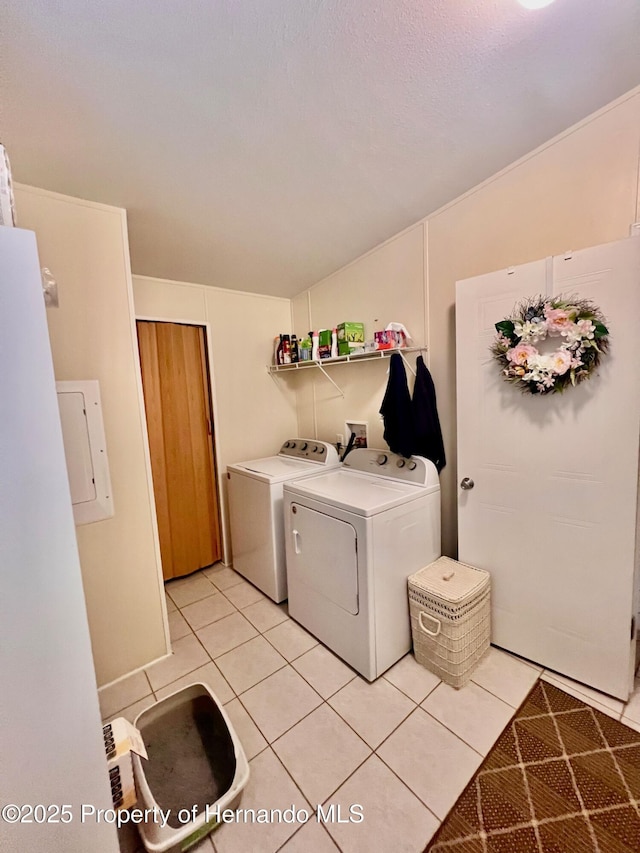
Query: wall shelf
[275, 369]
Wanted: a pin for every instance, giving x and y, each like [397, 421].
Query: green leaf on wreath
[600, 330]
[506, 327]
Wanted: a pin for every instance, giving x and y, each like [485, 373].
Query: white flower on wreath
[582, 330]
[530, 331]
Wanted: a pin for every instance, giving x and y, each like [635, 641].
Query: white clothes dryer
[255, 509]
[353, 536]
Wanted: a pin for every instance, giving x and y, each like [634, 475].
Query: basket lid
[450, 580]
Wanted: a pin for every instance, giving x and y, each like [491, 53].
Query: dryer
[352, 538]
[255, 509]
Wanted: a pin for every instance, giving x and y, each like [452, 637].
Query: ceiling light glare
[535, 4]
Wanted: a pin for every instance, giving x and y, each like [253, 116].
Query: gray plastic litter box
[195, 760]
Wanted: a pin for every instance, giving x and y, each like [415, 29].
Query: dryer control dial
[412, 466]
[304, 446]
[401, 463]
[382, 458]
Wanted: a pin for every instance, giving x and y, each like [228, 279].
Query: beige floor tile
[131, 711]
[247, 731]
[243, 594]
[290, 639]
[264, 615]
[226, 634]
[207, 610]
[185, 591]
[507, 677]
[170, 605]
[372, 710]
[607, 704]
[222, 577]
[269, 787]
[279, 702]
[414, 680]
[204, 846]
[187, 655]
[325, 672]
[208, 674]
[394, 819]
[475, 715]
[311, 838]
[320, 752]
[250, 663]
[178, 627]
[124, 692]
[432, 761]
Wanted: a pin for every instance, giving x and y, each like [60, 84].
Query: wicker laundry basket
[450, 611]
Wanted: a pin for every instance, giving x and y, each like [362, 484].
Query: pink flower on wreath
[521, 354]
[561, 361]
[558, 320]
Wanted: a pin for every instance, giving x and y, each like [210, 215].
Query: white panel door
[552, 511]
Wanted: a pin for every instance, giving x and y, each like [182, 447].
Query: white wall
[385, 286]
[253, 412]
[93, 337]
[578, 190]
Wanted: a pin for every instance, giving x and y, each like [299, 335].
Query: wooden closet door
[176, 395]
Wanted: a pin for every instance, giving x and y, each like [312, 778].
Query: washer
[255, 509]
[352, 537]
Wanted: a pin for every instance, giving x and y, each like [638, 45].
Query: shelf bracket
[406, 363]
[335, 385]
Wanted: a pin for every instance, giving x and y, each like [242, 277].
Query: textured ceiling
[260, 145]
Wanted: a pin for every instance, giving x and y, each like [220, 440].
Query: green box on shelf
[346, 348]
[352, 333]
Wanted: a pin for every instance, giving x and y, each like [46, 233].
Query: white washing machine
[353, 536]
[255, 509]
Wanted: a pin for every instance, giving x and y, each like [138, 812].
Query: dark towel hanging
[396, 410]
[428, 435]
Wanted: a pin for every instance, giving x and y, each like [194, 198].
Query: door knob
[467, 484]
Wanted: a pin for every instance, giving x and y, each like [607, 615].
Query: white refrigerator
[51, 748]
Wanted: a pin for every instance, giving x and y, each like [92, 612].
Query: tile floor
[316, 733]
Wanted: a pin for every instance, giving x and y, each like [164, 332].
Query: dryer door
[324, 556]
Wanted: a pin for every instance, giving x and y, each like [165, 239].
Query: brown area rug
[562, 778]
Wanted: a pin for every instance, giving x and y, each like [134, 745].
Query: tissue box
[350, 337]
[120, 740]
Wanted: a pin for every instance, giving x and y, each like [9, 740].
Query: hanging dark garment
[396, 410]
[428, 440]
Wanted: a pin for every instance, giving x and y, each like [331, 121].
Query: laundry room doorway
[176, 386]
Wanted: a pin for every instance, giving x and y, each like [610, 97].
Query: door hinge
[633, 627]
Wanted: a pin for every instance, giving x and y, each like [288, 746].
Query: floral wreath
[584, 339]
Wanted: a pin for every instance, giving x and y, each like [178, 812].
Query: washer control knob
[382, 459]
[412, 465]
[293, 444]
[401, 463]
[321, 450]
[287, 444]
[304, 446]
[315, 448]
